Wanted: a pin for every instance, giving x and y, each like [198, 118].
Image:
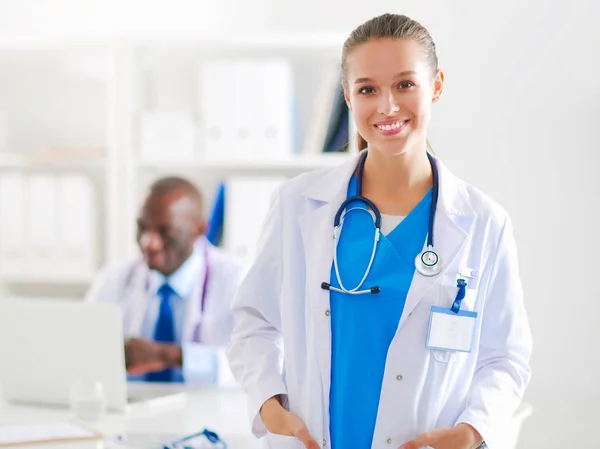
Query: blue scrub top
[363, 326]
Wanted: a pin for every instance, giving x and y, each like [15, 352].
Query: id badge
[450, 330]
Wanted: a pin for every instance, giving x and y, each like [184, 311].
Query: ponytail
[429, 147]
[361, 143]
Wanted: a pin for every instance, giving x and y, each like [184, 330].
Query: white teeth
[390, 127]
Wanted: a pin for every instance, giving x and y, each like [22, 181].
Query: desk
[223, 411]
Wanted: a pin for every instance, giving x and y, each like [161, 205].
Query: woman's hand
[279, 421]
[463, 436]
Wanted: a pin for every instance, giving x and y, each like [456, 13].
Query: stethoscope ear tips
[375, 290]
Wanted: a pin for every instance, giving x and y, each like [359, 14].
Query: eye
[366, 90]
[164, 231]
[405, 84]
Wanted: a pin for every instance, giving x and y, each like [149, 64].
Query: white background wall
[518, 119]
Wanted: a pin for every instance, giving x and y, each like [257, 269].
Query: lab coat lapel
[326, 196]
[193, 317]
[449, 236]
[448, 241]
[317, 235]
[195, 314]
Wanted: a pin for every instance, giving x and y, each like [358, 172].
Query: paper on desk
[24, 434]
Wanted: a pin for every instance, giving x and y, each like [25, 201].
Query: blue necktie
[164, 331]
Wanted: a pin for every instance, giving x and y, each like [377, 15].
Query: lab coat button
[389, 441]
[399, 377]
[327, 312]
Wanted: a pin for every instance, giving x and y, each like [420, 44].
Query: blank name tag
[449, 331]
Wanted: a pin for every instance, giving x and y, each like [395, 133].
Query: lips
[153, 258]
[391, 127]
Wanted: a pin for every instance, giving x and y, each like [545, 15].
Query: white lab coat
[126, 284]
[280, 304]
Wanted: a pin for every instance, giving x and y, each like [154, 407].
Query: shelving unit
[133, 76]
[11, 163]
[294, 163]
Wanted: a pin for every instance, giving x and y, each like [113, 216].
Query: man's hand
[279, 421]
[143, 356]
[463, 436]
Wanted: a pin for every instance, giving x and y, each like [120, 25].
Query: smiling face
[390, 87]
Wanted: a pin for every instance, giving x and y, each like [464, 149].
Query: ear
[438, 86]
[202, 227]
[346, 95]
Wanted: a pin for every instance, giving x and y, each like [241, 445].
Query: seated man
[175, 297]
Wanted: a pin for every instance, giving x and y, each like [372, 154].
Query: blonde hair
[389, 26]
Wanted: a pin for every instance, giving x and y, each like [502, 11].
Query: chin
[155, 263]
[395, 146]
[390, 147]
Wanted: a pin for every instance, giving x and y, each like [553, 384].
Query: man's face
[167, 228]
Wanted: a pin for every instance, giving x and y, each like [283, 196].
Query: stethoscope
[427, 262]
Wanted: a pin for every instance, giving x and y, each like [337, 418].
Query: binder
[3, 131]
[338, 132]
[322, 109]
[167, 136]
[247, 205]
[76, 225]
[276, 132]
[12, 225]
[247, 108]
[217, 217]
[41, 223]
[216, 106]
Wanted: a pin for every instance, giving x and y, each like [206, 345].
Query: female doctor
[391, 284]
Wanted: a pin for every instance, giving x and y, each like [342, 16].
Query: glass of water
[87, 400]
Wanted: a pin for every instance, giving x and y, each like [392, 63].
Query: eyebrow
[398, 75]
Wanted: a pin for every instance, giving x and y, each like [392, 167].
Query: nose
[150, 241]
[388, 104]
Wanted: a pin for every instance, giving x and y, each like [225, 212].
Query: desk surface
[223, 411]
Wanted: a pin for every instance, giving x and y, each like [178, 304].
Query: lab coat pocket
[283, 441]
[447, 294]
[445, 356]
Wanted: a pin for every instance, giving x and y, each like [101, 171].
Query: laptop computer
[47, 345]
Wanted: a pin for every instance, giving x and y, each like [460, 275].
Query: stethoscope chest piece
[428, 263]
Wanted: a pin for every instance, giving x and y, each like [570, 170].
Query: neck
[397, 176]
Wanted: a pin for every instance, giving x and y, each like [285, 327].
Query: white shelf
[8, 162]
[295, 163]
[48, 280]
[287, 41]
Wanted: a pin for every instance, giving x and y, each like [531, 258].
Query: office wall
[517, 119]
[126, 17]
